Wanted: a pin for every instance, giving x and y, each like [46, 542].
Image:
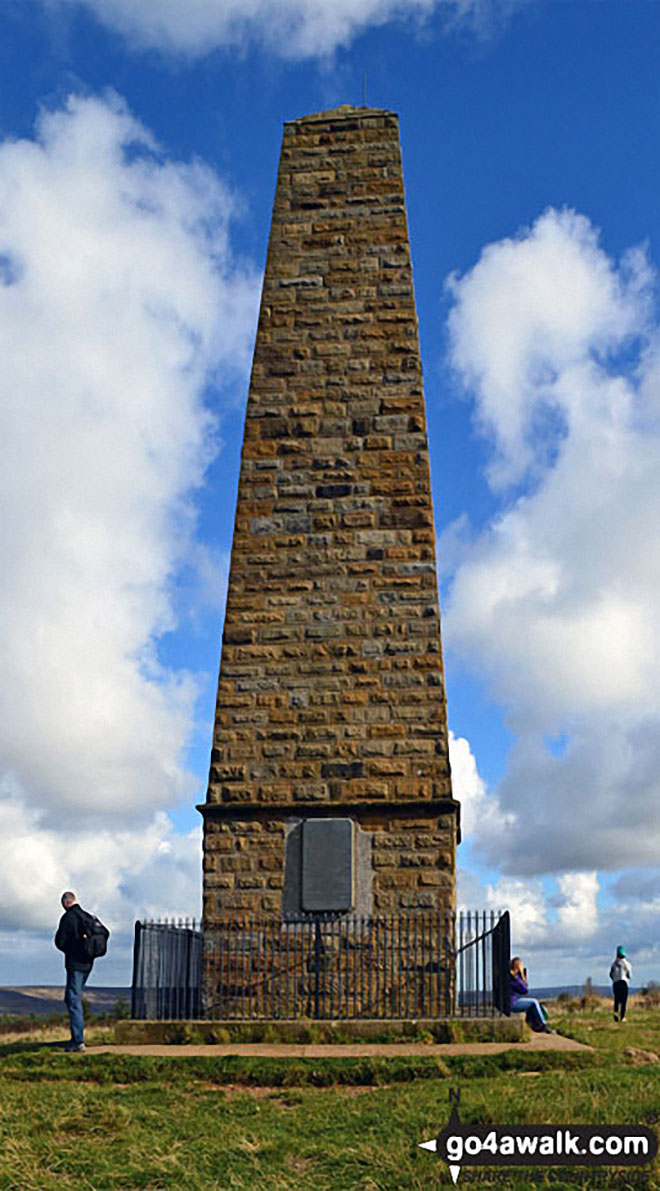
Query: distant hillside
[573, 990]
[25, 1000]
[22, 1001]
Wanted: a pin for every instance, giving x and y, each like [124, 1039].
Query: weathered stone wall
[412, 857]
[331, 693]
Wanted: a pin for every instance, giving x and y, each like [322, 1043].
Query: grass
[124, 1122]
[598, 1028]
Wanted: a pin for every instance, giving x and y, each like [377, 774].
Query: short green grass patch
[141, 1123]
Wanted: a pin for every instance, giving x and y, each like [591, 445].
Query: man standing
[70, 937]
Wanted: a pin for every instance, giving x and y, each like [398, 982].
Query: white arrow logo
[432, 1145]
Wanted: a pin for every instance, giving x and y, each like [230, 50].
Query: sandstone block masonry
[331, 698]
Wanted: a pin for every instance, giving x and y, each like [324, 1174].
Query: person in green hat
[620, 975]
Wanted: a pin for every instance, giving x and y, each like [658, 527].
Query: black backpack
[93, 936]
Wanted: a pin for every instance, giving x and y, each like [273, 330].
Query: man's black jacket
[69, 940]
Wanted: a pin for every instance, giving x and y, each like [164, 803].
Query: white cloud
[292, 28]
[554, 603]
[480, 811]
[568, 927]
[540, 921]
[577, 914]
[531, 324]
[118, 873]
[121, 875]
[120, 299]
[525, 902]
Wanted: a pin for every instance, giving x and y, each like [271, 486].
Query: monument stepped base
[438, 1030]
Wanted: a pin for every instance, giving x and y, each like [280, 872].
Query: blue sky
[139, 143]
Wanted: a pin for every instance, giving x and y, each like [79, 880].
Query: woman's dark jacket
[517, 987]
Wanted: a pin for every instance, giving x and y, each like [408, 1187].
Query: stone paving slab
[269, 1050]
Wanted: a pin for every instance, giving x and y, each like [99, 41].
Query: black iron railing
[167, 969]
[325, 968]
[405, 966]
[483, 956]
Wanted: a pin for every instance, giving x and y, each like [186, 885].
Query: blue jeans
[531, 1008]
[75, 983]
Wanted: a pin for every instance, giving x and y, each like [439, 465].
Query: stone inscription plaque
[327, 865]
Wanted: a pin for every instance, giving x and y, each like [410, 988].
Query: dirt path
[348, 1050]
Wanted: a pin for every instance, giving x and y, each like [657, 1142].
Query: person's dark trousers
[75, 983]
[620, 998]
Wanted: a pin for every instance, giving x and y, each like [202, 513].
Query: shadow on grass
[30, 1046]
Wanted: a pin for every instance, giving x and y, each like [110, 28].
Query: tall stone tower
[329, 787]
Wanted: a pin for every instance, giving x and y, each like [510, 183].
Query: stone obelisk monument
[329, 788]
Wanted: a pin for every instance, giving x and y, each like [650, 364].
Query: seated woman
[521, 1002]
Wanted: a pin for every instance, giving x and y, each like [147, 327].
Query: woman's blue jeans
[531, 1008]
[75, 983]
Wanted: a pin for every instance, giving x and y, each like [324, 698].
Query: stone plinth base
[449, 1029]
